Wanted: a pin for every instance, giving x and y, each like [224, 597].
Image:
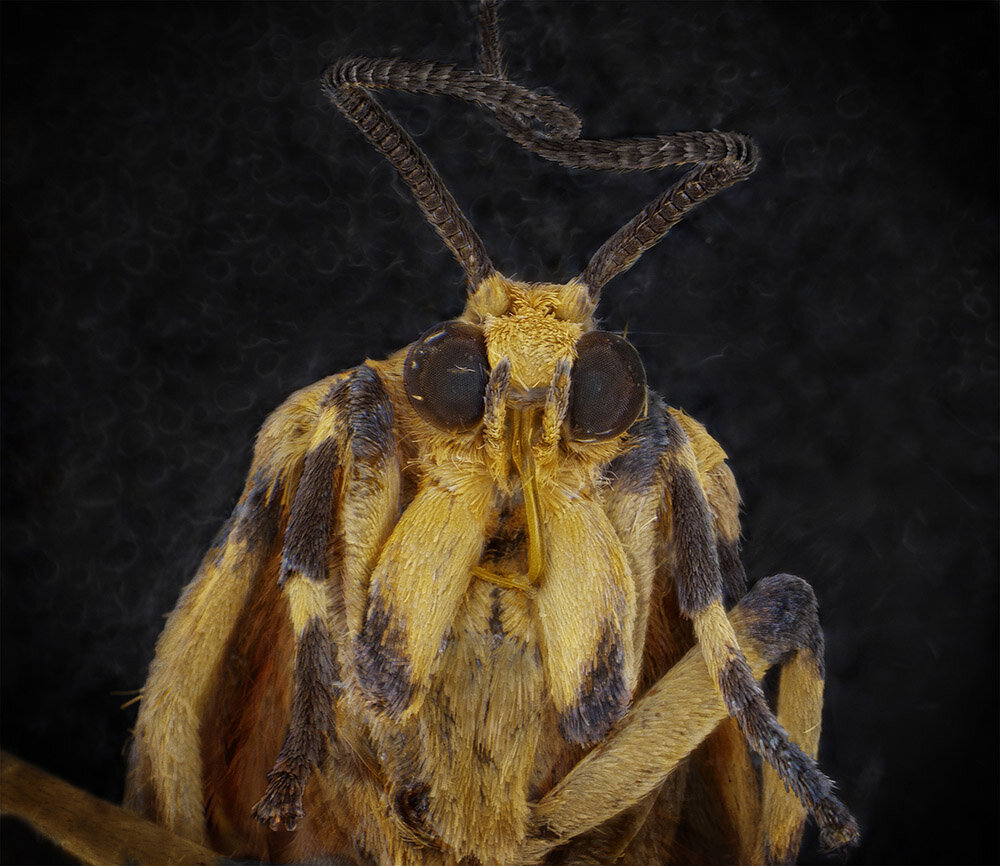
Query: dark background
[191, 232]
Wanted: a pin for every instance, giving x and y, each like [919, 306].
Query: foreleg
[700, 593]
[165, 766]
[350, 479]
[776, 618]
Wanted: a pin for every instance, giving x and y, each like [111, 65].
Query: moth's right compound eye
[609, 387]
[446, 374]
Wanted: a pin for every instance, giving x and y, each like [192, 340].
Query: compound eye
[446, 374]
[608, 387]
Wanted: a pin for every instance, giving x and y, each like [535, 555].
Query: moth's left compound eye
[446, 375]
[608, 387]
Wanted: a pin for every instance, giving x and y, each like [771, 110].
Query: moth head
[533, 325]
[533, 330]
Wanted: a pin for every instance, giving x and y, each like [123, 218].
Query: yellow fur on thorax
[428, 574]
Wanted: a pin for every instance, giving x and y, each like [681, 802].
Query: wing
[245, 679]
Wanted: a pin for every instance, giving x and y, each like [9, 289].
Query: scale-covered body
[482, 602]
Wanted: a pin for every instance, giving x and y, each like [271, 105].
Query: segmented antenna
[544, 126]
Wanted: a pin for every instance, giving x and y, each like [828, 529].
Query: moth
[481, 602]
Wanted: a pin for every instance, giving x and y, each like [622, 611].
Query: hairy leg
[776, 618]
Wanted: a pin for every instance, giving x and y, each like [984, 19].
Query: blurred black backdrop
[191, 232]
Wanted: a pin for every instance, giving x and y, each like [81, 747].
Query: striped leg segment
[777, 618]
[351, 442]
[312, 720]
[419, 583]
[700, 593]
[723, 498]
[799, 708]
[166, 772]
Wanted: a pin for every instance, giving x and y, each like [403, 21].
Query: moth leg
[633, 501]
[316, 687]
[165, 764]
[419, 583]
[799, 711]
[700, 593]
[351, 450]
[723, 497]
[721, 775]
[369, 506]
[665, 725]
[89, 829]
[586, 603]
